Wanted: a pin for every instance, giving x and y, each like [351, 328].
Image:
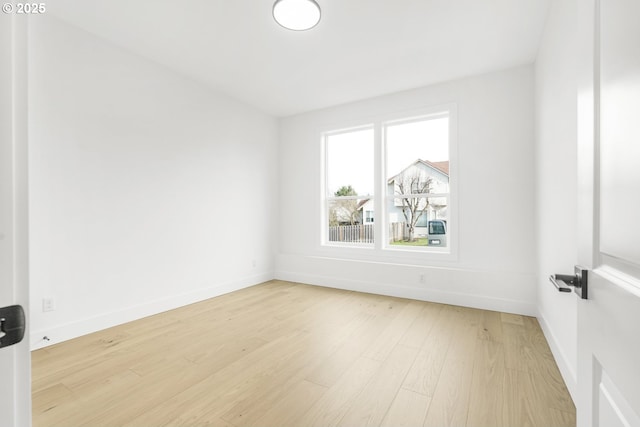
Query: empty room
[320, 213]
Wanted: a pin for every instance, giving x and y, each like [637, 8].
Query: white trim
[616, 400]
[347, 245]
[85, 326]
[365, 125]
[15, 370]
[619, 278]
[625, 270]
[380, 226]
[416, 114]
[587, 136]
[431, 113]
[333, 198]
[443, 250]
[567, 369]
[421, 294]
[418, 195]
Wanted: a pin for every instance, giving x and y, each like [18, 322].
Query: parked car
[437, 232]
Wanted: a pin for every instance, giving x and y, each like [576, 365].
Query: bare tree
[344, 211]
[411, 185]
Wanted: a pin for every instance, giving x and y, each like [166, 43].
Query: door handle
[564, 282]
[12, 325]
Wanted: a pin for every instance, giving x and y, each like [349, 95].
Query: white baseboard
[568, 374]
[422, 294]
[102, 321]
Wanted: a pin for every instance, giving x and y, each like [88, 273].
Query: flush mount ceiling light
[297, 15]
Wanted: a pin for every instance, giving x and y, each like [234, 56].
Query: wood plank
[526, 350]
[526, 407]
[49, 398]
[291, 406]
[370, 407]
[419, 330]
[450, 402]
[549, 385]
[333, 367]
[393, 333]
[408, 409]
[339, 398]
[561, 418]
[486, 399]
[73, 412]
[490, 327]
[519, 354]
[514, 319]
[424, 374]
[513, 412]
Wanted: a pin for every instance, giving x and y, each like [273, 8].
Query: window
[349, 187]
[422, 221]
[368, 216]
[397, 171]
[437, 227]
[417, 162]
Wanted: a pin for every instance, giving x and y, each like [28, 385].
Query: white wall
[556, 196]
[135, 173]
[495, 266]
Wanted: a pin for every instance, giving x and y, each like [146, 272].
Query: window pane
[417, 164]
[350, 220]
[418, 221]
[418, 156]
[350, 163]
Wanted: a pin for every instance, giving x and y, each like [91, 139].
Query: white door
[609, 213]
[15, 361]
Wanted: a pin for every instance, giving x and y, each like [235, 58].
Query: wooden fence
[396, 231]
[361, 233]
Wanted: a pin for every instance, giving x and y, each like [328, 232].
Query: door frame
[588, 89]
[16, 366]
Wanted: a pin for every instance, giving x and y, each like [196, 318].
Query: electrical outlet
[253, 263]
[421, 278]
[48, 304]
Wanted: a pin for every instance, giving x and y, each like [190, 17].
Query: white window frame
[381, 250]
[327, 199]
[427, 115]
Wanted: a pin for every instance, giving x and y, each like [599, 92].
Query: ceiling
[360, 49]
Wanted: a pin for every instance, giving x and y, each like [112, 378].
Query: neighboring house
[366, 211]
[420, 177]
[423, 169]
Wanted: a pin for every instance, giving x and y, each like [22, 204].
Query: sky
[350, 155]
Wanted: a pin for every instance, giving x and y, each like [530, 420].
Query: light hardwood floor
[285, 354]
